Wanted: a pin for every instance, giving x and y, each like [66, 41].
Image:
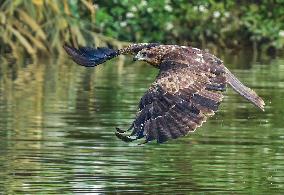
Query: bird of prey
[187, 90]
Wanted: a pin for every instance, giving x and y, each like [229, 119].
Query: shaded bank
[40, 27]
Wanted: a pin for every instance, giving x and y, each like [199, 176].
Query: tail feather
[244, 91]
[90, 57]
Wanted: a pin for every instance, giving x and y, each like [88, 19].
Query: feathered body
[187, 90]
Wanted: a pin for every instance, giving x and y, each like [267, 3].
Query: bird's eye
[143, 53]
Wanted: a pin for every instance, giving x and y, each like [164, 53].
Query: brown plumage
[187, 90]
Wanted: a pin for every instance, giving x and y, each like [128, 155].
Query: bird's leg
[119, 130]
[124, 137]
[123, 131]
[121, 134]
[131, 127]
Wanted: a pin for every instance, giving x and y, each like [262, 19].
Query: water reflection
[57, 133]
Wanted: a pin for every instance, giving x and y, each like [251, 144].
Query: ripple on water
[57, 136]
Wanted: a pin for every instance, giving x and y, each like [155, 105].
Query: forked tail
[244, 91]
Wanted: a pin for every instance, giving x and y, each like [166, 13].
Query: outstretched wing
[179, 101]
[90, 57]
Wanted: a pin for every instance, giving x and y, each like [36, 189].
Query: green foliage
[227, 23]
[265, 23]
[39, 26]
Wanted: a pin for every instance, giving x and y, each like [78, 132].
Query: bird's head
[153, 55]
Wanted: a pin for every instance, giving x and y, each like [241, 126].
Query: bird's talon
[120, 130]
[125, 138]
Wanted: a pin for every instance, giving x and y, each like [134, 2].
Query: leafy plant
[226, 23]
[38, 26]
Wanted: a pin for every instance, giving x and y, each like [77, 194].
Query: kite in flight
[187, 90]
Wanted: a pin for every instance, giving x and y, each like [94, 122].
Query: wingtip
[64, 45]
[69, 49]
[87, 56]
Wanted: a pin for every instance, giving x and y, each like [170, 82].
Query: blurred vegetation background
[40, 27]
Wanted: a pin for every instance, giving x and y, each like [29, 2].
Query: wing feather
[179, 101]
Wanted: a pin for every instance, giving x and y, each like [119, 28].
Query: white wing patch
[200, 58]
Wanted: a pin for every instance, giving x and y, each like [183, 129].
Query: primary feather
[87, 56]
[187, 90]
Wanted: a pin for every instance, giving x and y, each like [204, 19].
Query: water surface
[57, 124]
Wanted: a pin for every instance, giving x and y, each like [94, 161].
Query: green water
[57, 124]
